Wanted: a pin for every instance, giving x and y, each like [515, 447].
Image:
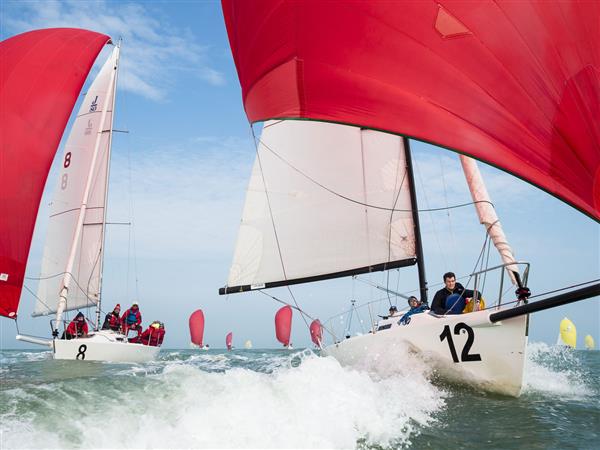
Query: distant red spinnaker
[197, 327]
[316, 332]
[228, 340]
[41, 75]
[283, 325]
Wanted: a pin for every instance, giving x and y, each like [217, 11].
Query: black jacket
[438, 305]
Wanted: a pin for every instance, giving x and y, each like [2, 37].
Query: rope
[358, 202]
[565, 288]
[387, 281]
[73, 278]
[273, 223]
[296, 307]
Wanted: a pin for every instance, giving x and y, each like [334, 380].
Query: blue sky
[184, 166]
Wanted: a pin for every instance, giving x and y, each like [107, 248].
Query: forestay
[90, 133]
[324, 200]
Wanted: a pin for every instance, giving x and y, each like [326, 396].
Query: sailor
[153, 336]
[132, 319]
[77, 328]
[393, 311]
[113, 320]
[451, 299]
[416, 307]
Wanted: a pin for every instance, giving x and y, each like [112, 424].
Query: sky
[179, 176]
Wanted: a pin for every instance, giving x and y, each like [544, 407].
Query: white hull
[103, 346]
[494, 362]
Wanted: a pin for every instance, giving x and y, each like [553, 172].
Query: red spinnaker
[316, 332]
[197, 327]
[283, 325]
[41, 75]
[514, 84]
[228, 340]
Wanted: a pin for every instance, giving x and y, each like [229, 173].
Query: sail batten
[324, 201]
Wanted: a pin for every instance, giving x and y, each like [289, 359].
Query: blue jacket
[411, 311]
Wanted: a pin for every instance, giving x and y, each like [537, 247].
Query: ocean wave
[295, 400]
[556, 371]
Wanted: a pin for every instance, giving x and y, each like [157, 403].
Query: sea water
[291, 399]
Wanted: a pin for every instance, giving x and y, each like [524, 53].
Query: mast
[415, 214]
[62, 303]
[110, 136]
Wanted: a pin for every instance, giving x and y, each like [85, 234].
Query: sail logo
[3, 277]
[88, 129]
[94, 105]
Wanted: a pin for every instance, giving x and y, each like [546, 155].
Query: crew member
[77, 328]
[132, 319]
[113, 320]
[442, 304]
[416, 307]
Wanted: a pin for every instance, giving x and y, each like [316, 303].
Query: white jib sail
[90, 131]
[331, 190]
[487, 214]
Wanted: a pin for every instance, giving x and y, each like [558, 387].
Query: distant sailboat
[73, 259]
[316, 332]
[228, 340]
[283, 325]
[589, 342]
[567, 334]
[248, 344]
[196, 323]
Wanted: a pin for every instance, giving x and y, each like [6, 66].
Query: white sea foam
[554, 371]
[318, 404]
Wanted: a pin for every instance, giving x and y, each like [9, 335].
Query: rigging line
[417, 170]
[342, 313]
[487, 264]
[387, 283]
[454, 247]
[565, 288]
[331, 191]
[38, 299]
[479, 258]
[254, 139]
[296, 307]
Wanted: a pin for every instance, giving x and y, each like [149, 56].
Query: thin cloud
[187, 197]
[155, 53]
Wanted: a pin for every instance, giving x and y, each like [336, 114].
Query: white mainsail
[86, 158]
[323, 200]
[487, 214]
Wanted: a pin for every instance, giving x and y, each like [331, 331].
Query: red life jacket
[77, 328]
[114, 322]
[138, 318]
[153, 336]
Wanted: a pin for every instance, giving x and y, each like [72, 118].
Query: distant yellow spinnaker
[589, 342]
[567, 334]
